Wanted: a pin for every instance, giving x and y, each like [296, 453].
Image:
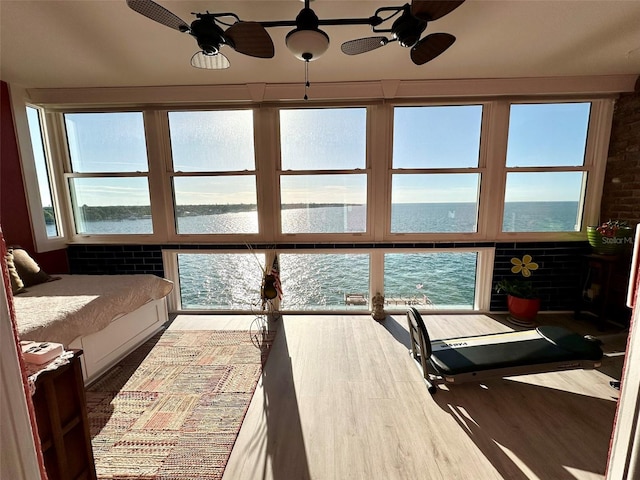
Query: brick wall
[621, 193]
[561, 267]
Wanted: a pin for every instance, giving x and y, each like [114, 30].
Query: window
[324, 203]
[543, 202]
[319, 282]
[412, 186]
[546, 176]
[323, 184]
[220, 281]
[434, 203]
[108, 180]
[436, 137]
[435, 181]
[214, 180]
[442, 280]
[42, 171]
[547, 134]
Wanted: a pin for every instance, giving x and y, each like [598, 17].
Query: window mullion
[376, 273]
[60, 163]
[267, 164]
[159, 158]
[494, 140]
[379, 148]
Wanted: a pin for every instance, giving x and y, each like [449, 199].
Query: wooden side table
[61, 415]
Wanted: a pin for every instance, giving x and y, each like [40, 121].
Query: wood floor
[340, 398]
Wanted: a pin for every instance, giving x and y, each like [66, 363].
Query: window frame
[595, 163]
[48, 170]
[482, 170]
[263, 160]
[484, 274]
[379, 131]
[367, 235]
[492, 159]
[42, 242]
[68, 173]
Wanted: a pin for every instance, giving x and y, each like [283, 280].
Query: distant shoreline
[135, 212]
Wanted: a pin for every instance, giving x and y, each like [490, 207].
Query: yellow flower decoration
[526, 265]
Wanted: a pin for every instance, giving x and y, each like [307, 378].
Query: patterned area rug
[173, 408]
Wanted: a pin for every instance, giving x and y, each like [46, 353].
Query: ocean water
[321, 281]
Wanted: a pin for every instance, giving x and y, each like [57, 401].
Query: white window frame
[484, 276]
[172, 272]
[42, 242]
[169, 174]
[484, 273]
[379, 98]
[595, 163]
[492, 159]
[481, 170]
[63, 165]
[368, 234]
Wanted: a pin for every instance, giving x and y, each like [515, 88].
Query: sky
[328, 139]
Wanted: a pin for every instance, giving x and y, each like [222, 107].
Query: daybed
[106, 316]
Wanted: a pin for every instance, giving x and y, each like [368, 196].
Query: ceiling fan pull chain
[306, 79]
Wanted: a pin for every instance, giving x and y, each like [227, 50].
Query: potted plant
[610, 238]
[523, 301]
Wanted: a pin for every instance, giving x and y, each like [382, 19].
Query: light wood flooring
[340, 398]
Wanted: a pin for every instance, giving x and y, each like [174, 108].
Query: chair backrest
[418, 329]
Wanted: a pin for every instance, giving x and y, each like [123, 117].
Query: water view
[322, 281]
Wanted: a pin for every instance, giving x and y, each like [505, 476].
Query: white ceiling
[96, 43]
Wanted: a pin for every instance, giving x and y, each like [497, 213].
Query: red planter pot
[523, 309]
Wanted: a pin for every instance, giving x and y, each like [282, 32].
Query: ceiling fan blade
[431, 10]
[158, 13]
[250, 38]
[430, 47]
[210, 62]
[362, 45]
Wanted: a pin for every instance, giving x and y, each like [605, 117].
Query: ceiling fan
[248, 38]
[307, 42]
[407, 28]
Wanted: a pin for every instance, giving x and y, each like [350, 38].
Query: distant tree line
[129, 212]
[290, 206]
[49, 217]
[114, 212]
[197, 210]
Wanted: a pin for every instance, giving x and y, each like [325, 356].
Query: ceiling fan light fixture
[307, 44]
[208, 61]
